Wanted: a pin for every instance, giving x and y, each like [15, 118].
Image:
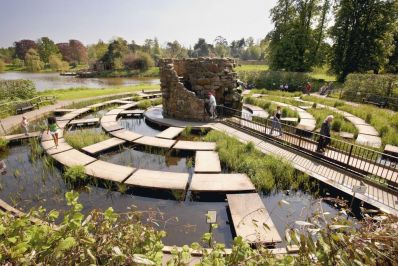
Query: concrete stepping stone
[109, 171]
[88, 121]
[49, 146]
[158, 179]
[111, 126]
[207, 162]
[113, 112]
[195, 145]
[221, 183]
[155, 142]
[126, 135]
[103, 145]
[368, 140]
[170, 133]
[249, 215]
[367, 130]
[73, 157]
[346, 135]
[109, 118]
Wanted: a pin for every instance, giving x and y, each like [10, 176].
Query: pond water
[32, 181]
[45, 81]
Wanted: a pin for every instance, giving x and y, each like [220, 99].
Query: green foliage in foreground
[84, 137]
[145, 104]
[3, 144]
[17, 89]
[266, 171]
[108, 238]
[75, 174]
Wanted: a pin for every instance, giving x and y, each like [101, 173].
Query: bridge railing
[369, 163]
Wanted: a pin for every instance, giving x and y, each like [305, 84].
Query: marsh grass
[3, 144]
[270, 107]
[75, 175]
[84, 137]
[339, 123]
[267, 172]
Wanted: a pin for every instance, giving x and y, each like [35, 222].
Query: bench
[23, 107]
[377, 100]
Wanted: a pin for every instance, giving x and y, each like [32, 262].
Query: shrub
[140, 60]
[336, 125]
[368, 118]
[18, 62]
[57, 64]
[75, 174]
[33, 62]
[144, 104]
[3, 144]
[2, 66]
[17, 89]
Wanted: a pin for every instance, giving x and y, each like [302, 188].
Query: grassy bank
[266, 172]
[78, 93]
[123, 73]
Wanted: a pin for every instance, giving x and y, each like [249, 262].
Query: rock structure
[185, 85]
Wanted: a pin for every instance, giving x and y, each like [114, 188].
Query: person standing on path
[324, 138]
[25, 125]
[276, 121]
[213, 104]
[308, 88]
[53, 128]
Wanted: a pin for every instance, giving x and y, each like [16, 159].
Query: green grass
[339, 123]
[267, 105]
[267, 172]
[84, 137]
[151, 72]
[251, 68]
[82, 92]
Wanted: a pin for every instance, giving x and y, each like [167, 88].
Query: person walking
[308, 88]
[324, 138]
[25, 125]
[53, 128]
[276, 121]
[213, 104]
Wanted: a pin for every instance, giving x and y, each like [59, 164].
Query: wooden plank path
[109, 171]
[111, 126]
[47, 136]
[87, 121]
[73, 157]
[109, 118]
[49, 146]
[126, 135]
[155, 142]
[136, 112]
[158, 179]
[22, 136]
[207, 162]
[103, 146]
[63, 111]
[307, 121]
[249, 216]
[256, 111]
[195, 145]
[170, 133]
[221, 183]
[114, 112]
[383, 199]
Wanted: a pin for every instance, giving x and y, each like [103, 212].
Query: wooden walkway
[126, 135]
[73, 157]
[62, 111]
[256, 111]
[195, 145]
[307, 121]
[170, 133]
[251, 219]
[207, 162]
[111, 126]
[17, 137]
[381, 198]
[221, 183]
[83, 122]
[155, 142]
[136, 112]
[103, 146]
[109, 171]
[49, 146]
[158, 179]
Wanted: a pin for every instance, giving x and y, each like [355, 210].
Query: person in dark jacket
[324, 138]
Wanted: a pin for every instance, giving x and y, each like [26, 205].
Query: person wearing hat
[212, 104]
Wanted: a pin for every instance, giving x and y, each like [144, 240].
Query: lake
[45, 81]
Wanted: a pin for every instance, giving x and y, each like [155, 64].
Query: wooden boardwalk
[256, 111]
[109, 171]
[82, 122]
[63, 111]
[73, 157]
[126, 135]
[383, 199]
[103, 146]
[170, 133]
[249, 216]
[49, 146]
[17, 137]
[111, 126]
[195, 145]
[221, 183]
[155, 142]
[307, 121]
[207, 162]
[158, 179]
[137, 112]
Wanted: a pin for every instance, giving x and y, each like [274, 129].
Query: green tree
[156, 51]
[392, 66]
[175, 50]
[2, 66]
[57, 64]
[221, 48]
[362, 35]
[97, 51]
[46, 48]
[117, 49]
[32, 61]
[201, 48]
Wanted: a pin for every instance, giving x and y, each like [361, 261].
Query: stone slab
[356, 120]
[195, 145]
[62, 124]
[109, 118]
[289, 119]
[207, 162]
[126, 135]
[346, 135]
[111, 126]
[68, 117]
[221, 183]
[170, 133]
[305, 107]
[88, 121]
[113, 112]
[49, 146]
[305, 115]
[391, 149]
[127, 106]
[368, 140]
[367, 130]
[249, 216]
[73, 157]
[155, 142]
[81, 110]
[306, 124]
[109, 171]
[103, 145]
[158, 179]
[22, 136]
[97, 105]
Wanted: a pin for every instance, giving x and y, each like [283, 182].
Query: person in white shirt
[213, 104]
[25, 125]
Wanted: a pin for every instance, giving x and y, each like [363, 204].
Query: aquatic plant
[75, 174]
[84, 137]
[3, 144]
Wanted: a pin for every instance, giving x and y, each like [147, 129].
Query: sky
[168, 20]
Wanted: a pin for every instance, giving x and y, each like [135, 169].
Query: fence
[371, 164]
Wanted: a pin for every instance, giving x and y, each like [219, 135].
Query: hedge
[358, 85]
[273, 79]
[17, 89]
